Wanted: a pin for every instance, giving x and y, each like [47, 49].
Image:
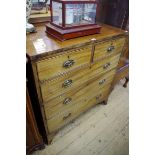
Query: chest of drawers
[72, 76]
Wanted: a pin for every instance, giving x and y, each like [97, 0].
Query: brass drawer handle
[67, 100]
[67, 116]
[98, 97]
[67, 83]
[110, 48]
[105, 66]
[102, 81]
[68, 63]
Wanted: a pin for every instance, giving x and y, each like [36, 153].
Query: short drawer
[60, 120]
[63, 62]
[78, 95]
[104, 49]
[67, 82]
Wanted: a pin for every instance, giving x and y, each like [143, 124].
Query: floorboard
[102, 130]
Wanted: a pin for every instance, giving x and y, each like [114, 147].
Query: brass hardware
[67, 100]
[67, 83]
[102, 81]
[93, 39]
[68, 63]
[98, 97]
[111, 48]
[105, 66]
[65, 117]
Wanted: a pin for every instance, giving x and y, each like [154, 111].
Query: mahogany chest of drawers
[72, 76]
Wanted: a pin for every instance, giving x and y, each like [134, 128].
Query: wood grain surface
[85, 82]
[40, 44]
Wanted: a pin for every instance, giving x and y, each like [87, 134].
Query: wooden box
[70, 19]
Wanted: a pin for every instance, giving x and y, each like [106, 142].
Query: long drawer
[57, 122]
[103, 49]
[78, 95]
[67, 61]
[67, 82]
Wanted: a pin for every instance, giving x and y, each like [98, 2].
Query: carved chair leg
[42, 147]
[35, 148]
[126, 82]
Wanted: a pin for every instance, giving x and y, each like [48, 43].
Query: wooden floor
[102, 130]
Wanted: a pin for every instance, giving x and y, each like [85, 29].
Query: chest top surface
[41, 44]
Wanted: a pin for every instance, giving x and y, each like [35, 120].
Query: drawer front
[80, 94]
[57, 122]
[70, 81]
[108, 48]
[63, 62]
